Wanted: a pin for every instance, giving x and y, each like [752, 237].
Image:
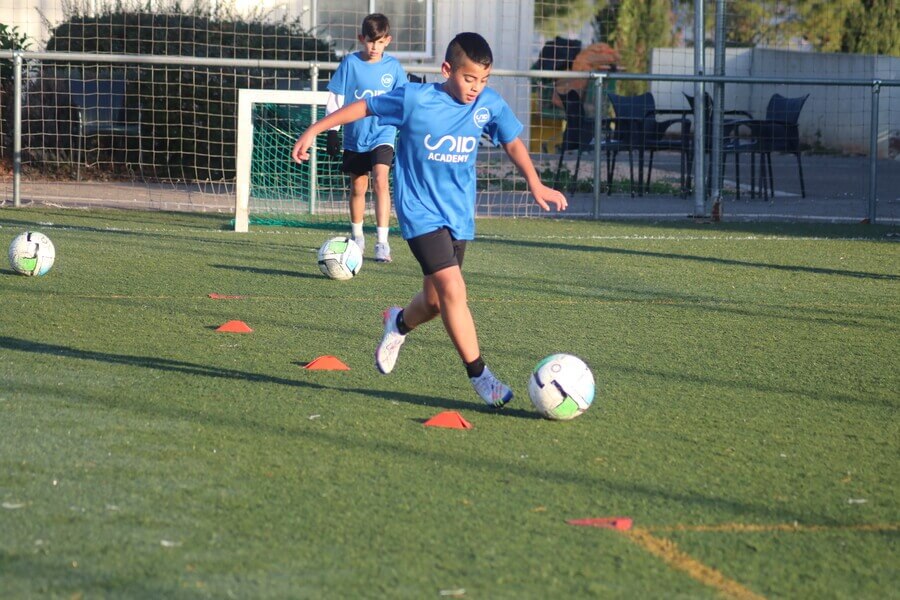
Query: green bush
[10, 39]
[187, 114]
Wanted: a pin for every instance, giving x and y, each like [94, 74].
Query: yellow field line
[789, 527]
[668, 551]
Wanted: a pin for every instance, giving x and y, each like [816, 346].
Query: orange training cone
[234, 327]
[326, 363]
[448, 419]
[620, 523]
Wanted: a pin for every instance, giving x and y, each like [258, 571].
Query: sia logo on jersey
[386, 80]
[360, 94]
[454, 149]
[482, 116]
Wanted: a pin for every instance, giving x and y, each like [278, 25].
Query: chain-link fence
[800, 119]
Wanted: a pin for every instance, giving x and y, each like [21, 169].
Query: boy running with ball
[440, 125]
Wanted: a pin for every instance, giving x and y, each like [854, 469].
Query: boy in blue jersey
[439, 127]
[368, 145]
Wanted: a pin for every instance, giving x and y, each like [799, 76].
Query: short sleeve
[505, 126]
[388, 107]
[338, 83]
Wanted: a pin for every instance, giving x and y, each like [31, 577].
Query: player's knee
[453, 291]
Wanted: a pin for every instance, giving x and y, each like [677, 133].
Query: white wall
[26, 15]
[509, 29]
[508, 25]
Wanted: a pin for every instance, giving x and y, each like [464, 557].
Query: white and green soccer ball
[340, 258]
[561, 387]
[31, 253]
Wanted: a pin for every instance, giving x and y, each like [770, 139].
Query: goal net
[271, 188]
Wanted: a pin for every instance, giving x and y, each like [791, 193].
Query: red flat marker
[449, 420]
[326, 363]
[620, 523]
[234, 327]
[215, 296]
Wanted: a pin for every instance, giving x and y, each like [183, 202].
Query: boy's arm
[347, 114]
[518, 154]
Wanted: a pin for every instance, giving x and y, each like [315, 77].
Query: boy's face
[466, 80]
[373, 50]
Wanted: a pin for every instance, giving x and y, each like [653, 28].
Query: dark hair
[375, 26]
[472, 46]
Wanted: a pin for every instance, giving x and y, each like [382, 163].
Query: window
[411, 24]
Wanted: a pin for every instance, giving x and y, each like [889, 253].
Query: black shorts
[360, 163]
[437, 250]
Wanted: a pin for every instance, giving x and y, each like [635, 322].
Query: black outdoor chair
[778, 132]
[578, 135]
[100, 104]
[731, 144]
[635, 127]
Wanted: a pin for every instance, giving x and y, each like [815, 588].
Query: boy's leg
[449, 288]
[382, 188]
[359, 185]
[381, 160]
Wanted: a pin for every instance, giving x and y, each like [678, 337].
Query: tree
[856, 26]
[552, 17]
[635, 28]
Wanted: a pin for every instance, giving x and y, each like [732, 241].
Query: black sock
[475, 368]
[401, 324]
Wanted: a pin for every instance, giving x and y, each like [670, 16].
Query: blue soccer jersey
[434, 174]
[356, 79]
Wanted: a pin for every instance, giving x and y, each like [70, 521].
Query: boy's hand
[300, 152]
[333, 145]
[544, 195]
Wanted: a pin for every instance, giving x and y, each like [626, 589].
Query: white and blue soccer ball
[561, 387]
[31, 253]
[340, 258]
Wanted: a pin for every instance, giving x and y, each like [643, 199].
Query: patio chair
[731, 143]
[778, 132]
[578, 135]
[635, 127]
[100, 104]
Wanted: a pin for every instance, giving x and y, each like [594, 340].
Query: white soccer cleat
[360, 241]
[383, 253]
[387, 351]
[493, 391]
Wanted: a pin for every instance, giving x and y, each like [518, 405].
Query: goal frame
[246, 99]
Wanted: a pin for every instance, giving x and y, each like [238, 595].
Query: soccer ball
[561, 387]
[31, 253]
[340, 258]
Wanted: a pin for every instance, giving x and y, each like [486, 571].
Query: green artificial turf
[747, 375]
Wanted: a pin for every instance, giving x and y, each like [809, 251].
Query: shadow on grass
[380, 445]
[189, 368]
[690, 257]
[261, 271]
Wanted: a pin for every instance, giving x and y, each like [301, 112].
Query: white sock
[382, 234]
[356, 229]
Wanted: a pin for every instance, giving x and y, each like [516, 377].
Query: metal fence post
[873, 152]
[17, 129]
[313, 162]
[598, 141]
[715, 152]
[699, 110]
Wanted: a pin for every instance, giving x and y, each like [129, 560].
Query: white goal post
[246, 99]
